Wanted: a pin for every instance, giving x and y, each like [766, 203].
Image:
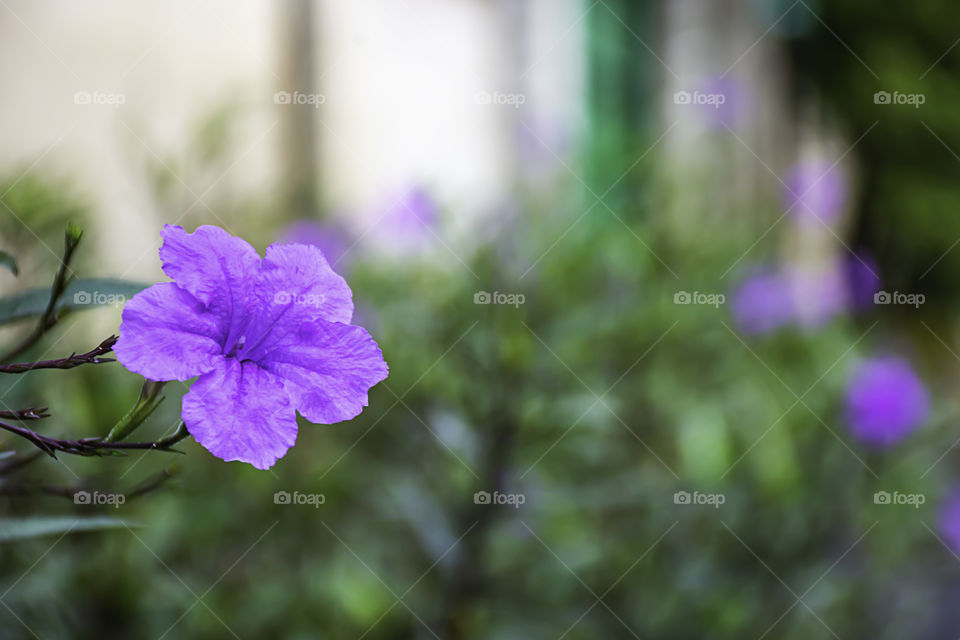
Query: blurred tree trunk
[301, 148]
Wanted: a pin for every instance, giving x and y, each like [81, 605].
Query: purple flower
[267, 337]
[762, 302]
[407, 225]
[731, 102]
[808, 296]
[814, 190]
[863, 276]
[949, 523]
[330, 239]
[886, 401]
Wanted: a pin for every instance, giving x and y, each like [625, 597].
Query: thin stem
[93, 446]
[161, 445]
[154, 483]
[20, 461]
[49, 317]
[30, 413]
[71, 361]
[147, 486]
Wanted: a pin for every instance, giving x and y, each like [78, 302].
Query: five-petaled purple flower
[267, 337]
[886, 401]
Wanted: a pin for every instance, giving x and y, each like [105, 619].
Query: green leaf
[148, 401]
[12, 530]
[9, 262]
[80, 294]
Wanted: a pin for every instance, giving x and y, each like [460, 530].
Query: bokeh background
[667, 289]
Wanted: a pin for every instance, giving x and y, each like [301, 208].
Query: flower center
[237, 348]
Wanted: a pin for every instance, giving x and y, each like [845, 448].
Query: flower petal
[238, 411]
[295, 286]
[219, 269]
[326, 367]
[298, 276]
[166, 334]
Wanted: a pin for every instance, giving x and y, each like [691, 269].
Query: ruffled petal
[295, 286]
[326, 367]
[219, 269]
[238, 411]
[300, 274]
[167, 334]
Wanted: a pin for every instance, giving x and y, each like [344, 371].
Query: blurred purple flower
[949, 523]
[885, 401]
[770, 299]
[762, 302]
[332, 241]
[863, 277]
[730, 110]
[815, 190]
[268, 337]
[407, 225]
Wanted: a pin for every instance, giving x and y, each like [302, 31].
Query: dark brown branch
[93, 446]
[9, 489]
[73, 360]
[30, 413]
[20, 461]
[154, 483]
[147, 486]
[50, 317]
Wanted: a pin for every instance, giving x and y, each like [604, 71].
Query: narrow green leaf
[15, 529]
[148, 401]
[8, 261]
[79, 295]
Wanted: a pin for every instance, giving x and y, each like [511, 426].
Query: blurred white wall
[168, 62]
[402, 86]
